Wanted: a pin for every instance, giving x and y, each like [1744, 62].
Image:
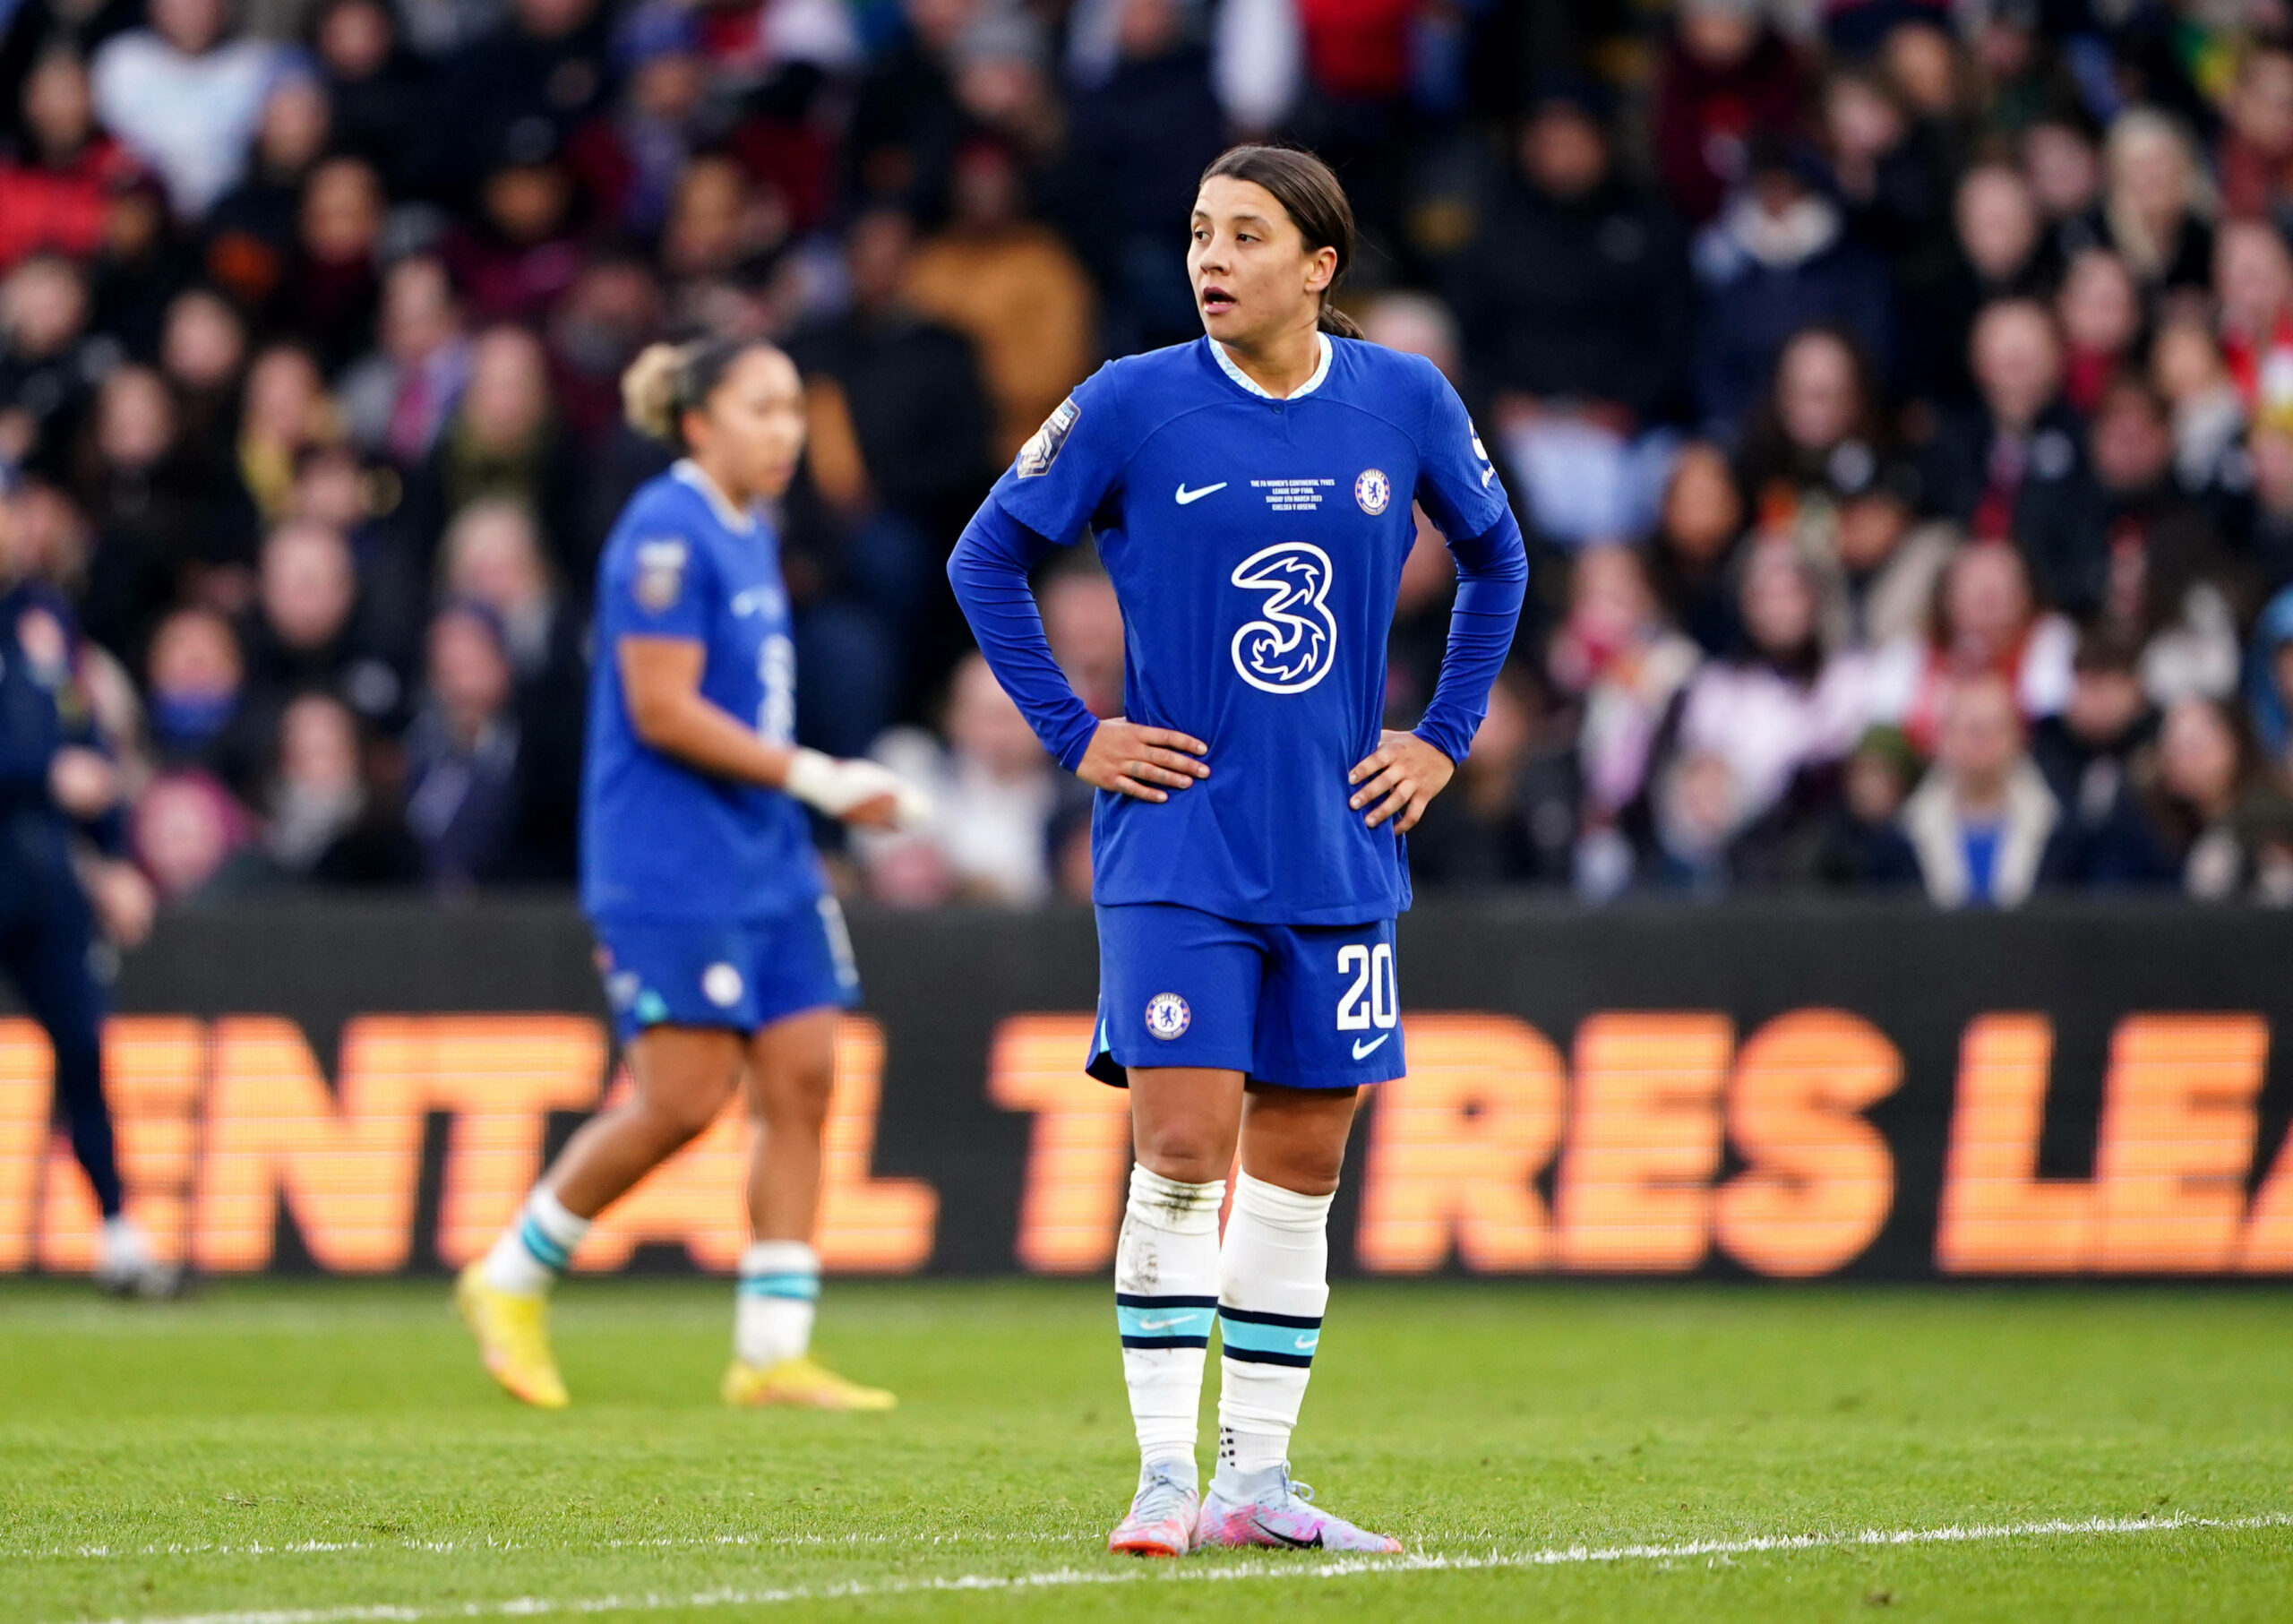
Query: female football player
[1252, 495]
[724, 955]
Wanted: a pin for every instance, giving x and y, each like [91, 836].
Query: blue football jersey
[1257, 546]
[660, 841]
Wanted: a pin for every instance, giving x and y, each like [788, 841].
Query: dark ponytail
[1310, 196]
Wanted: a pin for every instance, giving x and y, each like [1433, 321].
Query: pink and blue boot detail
[1265, 1510]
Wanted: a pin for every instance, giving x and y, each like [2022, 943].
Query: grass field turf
[330, 1452]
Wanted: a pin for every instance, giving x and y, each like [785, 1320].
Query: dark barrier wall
[1784, 1091]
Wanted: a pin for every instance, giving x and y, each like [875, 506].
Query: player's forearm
[707, 740]
[1492, 583]
[989, 572]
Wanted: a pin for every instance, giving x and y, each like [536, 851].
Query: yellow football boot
[512, 1335]
[802, 1384]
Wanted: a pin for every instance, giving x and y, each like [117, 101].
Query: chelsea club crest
[1167, 1016]
[1373, 491]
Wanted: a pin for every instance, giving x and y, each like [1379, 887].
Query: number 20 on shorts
[1374, 998]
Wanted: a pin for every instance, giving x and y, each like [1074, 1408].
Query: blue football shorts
[1303, 1006]
[741, 975]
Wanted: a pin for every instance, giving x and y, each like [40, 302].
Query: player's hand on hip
[1144, 762]
[1399, 779]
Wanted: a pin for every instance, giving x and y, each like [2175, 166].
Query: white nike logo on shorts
[1362, 1050]
[1186, 496]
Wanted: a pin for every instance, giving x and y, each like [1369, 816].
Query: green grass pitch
[323, 1453]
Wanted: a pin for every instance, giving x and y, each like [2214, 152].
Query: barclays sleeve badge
[1036, 456]
[660, 573]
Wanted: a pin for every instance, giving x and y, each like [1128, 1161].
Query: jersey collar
[1226, 365]
[688, 472]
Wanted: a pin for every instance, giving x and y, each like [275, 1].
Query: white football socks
[1272, 1285]
[1167, 1293]
[537, 1246]
[779, 1292]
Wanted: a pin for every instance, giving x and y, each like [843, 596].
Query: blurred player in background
[1251, 493]
[61, 873]
[724, 957]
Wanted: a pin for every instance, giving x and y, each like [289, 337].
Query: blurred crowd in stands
[1898, 396]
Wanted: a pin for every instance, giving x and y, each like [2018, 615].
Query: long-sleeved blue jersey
[41, 711]
[1256, 546]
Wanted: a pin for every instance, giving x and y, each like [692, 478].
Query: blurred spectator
[2002, 254]
[517, 255]
[1983, 827]
[2065, 167]
[186, 97]
[900, 426]
[2269, 683]
[203, 357]
[1509, 817]
[1888, 563]
[140, 265]
[1140, 140]
[333, 269]
[1727, 78]
[49, 366]
[2152, 210]
[2254, 160]
[55, 178]
[1820, 432]
[198, 714]
[397, 399]
[252, 226]
[1576, 288]
[1984, 623]
[1778, 260]
[1084, 623]
[2100, 312]
[1013, 289]
[492, 556]
[1698, 815]
[2021, 443]
[1618, 655]
[504, 439]
[993, 791]
[1777, 705]
[612, 311]
[2095, 754]
[184, 828]
[285, 412]
[2253, 279]
[379, 91]
[2220, 813]
[2149, 562]
[1857, 845]
[157, 534]
[324, 821]
[1696, 536]
[467, 787]
[36, 30]
[535, 77]
[304, 634]
[2208, 417]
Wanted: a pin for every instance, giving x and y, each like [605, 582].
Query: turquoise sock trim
[798, 1286]
[545, 1251]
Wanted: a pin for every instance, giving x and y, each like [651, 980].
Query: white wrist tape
[836, 786]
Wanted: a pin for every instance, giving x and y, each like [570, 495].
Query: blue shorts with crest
[1304, 1006]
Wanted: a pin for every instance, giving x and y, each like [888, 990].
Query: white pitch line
[490, 1544]
[1341, 1568]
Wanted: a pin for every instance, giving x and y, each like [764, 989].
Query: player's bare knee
[1188, 1153]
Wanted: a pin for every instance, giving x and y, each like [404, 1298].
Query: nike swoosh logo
[1362, 1050]
[1307, 1345]
[1186, 496]
[1158, 1325]
[1287, 1542]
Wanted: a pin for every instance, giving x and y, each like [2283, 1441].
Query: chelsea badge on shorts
[1373, 491]
[1167, 1016]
